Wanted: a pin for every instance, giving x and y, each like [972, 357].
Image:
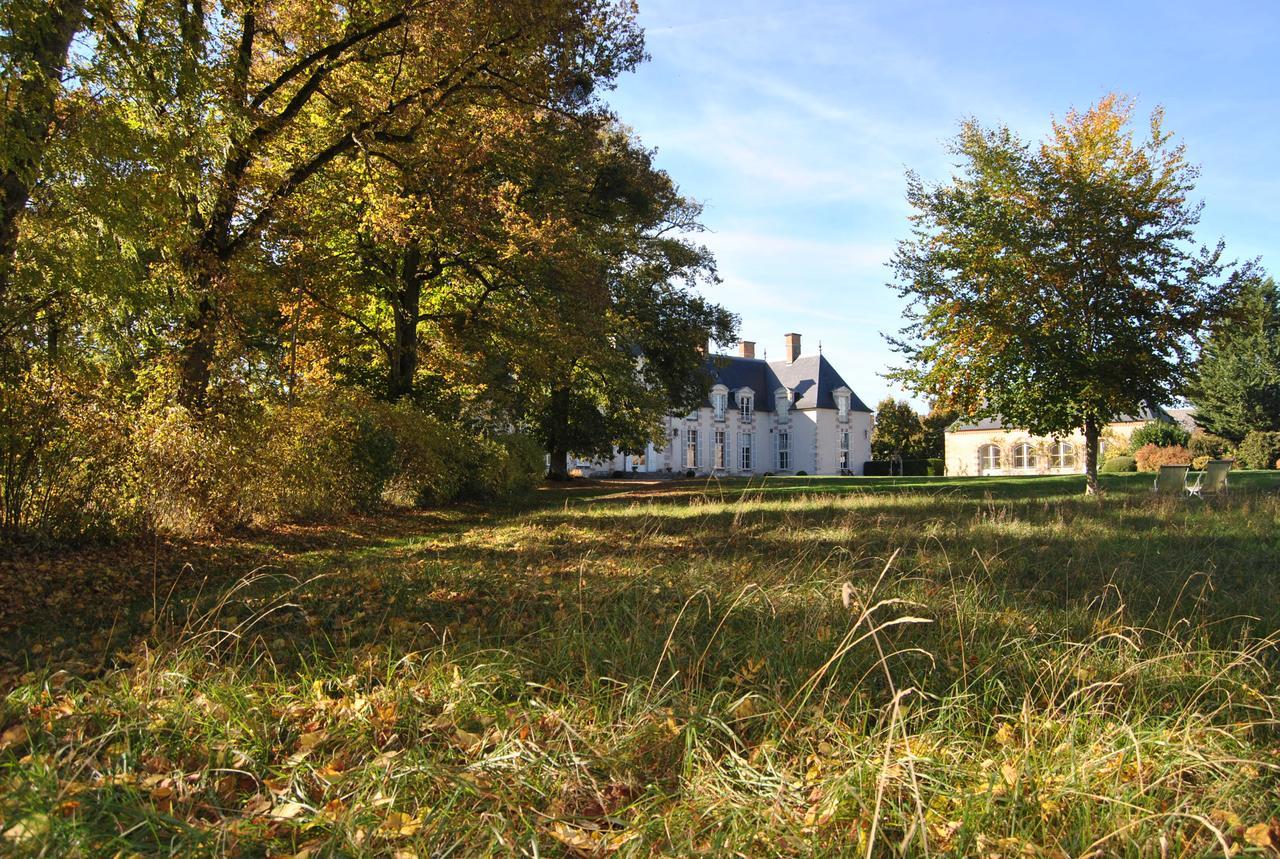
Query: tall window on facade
[719, 400]
[1062, 455]
[744, 445]
[842, 406]
[1024, 456]
[784, 451]
[782, 400]
[719, 453]
[691, 449]
[745, 406]
[844, 450]
[989, 457]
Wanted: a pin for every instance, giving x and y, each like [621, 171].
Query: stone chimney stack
[747, 349]
[793, 347]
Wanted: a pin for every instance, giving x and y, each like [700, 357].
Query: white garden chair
[1171, 480]
[1213, 480]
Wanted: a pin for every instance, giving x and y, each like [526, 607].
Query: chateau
[791, 416]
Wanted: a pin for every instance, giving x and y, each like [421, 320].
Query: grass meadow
[864, 667]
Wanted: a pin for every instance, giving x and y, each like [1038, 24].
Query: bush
[1150, 456]
[802, 474]
[1119, 463]
[1259, 450]
[1198, 463]
[937, 467]
[1159, 434]
[1207, 444]
[876, 468]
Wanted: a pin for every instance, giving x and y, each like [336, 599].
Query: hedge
[1119, 463]
[910, 468]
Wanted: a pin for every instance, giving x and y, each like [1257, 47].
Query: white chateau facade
[778, 417]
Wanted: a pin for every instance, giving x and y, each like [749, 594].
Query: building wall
[962, 449]
[815, 444]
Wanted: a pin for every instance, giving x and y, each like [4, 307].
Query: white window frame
[719, 401]
[784, 450]
[746, 407]
[1063, 455]
[990, 457]
[691, 448]
[745, 453]
[720, 440]
[843, 457]
[1024, 456]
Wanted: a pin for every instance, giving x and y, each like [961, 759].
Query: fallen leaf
[15, 735]
[287, 811]
[398, 824]
[310, 740]
[1263, 835]
[27, 829]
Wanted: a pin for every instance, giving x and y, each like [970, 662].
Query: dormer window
[746, 404]
[843, 397]
[719, 401]
[782, 404]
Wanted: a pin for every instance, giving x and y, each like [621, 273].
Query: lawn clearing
[811, 666]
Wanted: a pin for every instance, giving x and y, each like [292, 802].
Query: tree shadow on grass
[624, 573]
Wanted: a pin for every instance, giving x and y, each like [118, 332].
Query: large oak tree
[1057, 285]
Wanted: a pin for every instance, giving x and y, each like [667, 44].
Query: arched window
[1024, 456]
[1062, 455]
[989, 457]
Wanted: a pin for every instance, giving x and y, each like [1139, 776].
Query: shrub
[1207, 444]
[1160, 434]
[1119, 463]
[1199, 462]
[876, 468]
[1259, 450]
[937, 467]
[1150, 456]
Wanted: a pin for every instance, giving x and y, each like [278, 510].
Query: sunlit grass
[972, 669]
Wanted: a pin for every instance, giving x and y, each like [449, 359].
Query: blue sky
[794, 123]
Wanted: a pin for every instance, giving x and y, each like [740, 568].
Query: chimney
[793, 347]
[747, 349]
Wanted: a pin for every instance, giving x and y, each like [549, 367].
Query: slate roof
[811, 378]
[1145, 415]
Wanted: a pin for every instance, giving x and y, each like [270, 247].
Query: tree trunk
[556, 430]
[30, 119]
[558, 465]
[1091, 456]
[199, 341]
[405, 309]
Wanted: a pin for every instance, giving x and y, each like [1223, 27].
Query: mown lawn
[803, 666]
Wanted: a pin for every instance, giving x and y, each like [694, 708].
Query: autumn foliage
[1150, 456]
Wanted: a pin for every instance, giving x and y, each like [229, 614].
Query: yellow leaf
[27, 829]
[1010, 773]
[287, 810]
[467, 741]
[15, 735]
[310, 740]
[1259, 835]
[744, 708]
[399, 824]
[1005, 735]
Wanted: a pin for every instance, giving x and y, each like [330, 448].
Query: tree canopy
[898, 431]
[1057, 285]
[1236, 383]
[227, 210]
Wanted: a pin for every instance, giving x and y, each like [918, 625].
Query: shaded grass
[814, 667]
